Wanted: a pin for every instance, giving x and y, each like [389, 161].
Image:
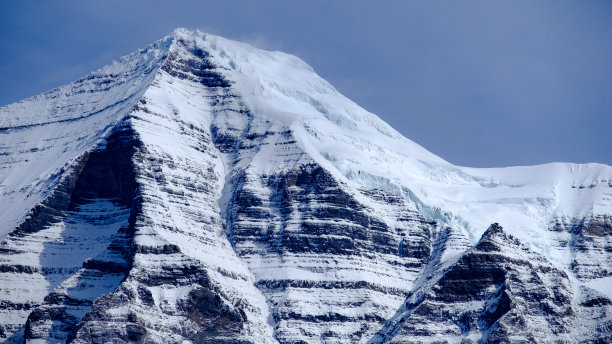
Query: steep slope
[67, 192]
[54, 266]
[186, 282]
[290, 252]
[202, 190]
[42, 138]
[364, 152]
[500, 291]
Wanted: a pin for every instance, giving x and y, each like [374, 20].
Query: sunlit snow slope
[363, 150]
[43, 136]
[215, 192]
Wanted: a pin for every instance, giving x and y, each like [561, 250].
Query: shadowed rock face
[498, 291]
[362, 251]
[172, 293]
[76, 248]
[315, 215]
[589, 242]
[358, 266]
[170, 230]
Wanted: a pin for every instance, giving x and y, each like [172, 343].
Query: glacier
[203, 190]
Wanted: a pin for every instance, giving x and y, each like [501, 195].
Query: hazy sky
[479, 83]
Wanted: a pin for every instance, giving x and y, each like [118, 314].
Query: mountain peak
[203, 190]
[494, 230]
[181, 31]
[283, 93]
[187, 34]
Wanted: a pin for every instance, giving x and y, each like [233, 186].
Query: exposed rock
[498, 291]
[173, 204]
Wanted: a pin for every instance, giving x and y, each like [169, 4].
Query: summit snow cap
[202, 190]
[283, 93]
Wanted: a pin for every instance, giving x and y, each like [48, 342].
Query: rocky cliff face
[73, 247]
[500, 291]
[589, 242]
[190, 194]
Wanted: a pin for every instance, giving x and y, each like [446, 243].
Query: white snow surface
[602, 285]
[360, 148]
[44, 135]
[283, 91]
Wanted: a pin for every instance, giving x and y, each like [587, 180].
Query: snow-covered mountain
[202, 190]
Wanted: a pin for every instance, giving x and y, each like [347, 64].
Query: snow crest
[363, 150]
[237, 196]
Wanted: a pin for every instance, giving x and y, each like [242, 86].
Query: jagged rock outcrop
[75, 248]
[201, 190]
[323, 258]
[587, 242]
[499, 292]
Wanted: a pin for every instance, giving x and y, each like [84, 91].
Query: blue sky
[479, 83]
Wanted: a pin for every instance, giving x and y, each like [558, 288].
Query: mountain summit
[202, 190]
